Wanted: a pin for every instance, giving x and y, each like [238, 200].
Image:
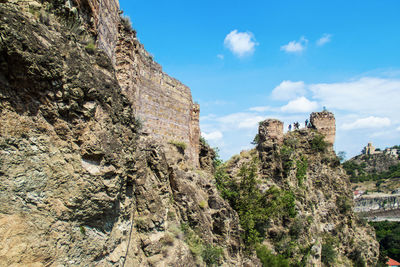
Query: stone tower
[369, 149]
[271, 129]
[324, 122]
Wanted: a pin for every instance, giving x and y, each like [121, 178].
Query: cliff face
[79, 184]
[301, 169]
[88, 175]
[379, 207]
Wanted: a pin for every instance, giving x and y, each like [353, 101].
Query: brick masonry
[162, 103]
[325, 123]
[271, 129]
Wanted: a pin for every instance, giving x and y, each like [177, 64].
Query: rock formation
[79, 184]
[301, 167]
[99, 149]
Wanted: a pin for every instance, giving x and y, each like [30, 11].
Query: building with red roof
[393, 263]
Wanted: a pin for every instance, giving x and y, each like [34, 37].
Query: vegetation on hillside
[388, 235]
[372, 167]
[254, 207]
[358, 173]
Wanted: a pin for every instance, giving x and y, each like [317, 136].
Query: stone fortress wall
[323, 122]
[271, 129]
[163, 104]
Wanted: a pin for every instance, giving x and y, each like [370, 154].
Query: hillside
[294, 199]
[101, 162]
[378, 165]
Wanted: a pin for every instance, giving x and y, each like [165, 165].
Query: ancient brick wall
[105, 14]
[271, 129]
[325, 123]
[163, 104]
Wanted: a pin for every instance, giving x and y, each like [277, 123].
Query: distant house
[358, 193]
[393, 263]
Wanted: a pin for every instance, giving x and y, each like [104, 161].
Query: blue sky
[250, 60]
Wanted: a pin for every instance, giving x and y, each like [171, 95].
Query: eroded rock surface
[79, 185]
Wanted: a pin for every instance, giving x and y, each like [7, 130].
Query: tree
[342, 156]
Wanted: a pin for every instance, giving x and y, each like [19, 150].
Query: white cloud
[288, 90]
[220, 56]
[240, 120]
[240, 43]
[326, 38]
[262, 108]
[367, 95]
[365, 123]
[300, 105]
[398, 129]
[295, 46]
[212, 136]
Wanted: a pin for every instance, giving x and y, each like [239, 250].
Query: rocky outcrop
[79, 184]
[302, 168]
[379, 207]
[207, 158]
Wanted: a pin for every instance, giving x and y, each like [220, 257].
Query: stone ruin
[323, 122]
[271, 129]
[163, 104]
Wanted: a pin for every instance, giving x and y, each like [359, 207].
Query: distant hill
[374, 164]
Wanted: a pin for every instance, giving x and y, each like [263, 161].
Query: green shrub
[270, 260]
[82, 230]
[285, 155]
[211, 255]
[388, 236]
[344, 205]
[171, 215]
[217, 161]
[297, 228]
[318, 143]
[178, 144]
[328, 253]
[254, 207]
[203, 141]
[256, 140]
[167, 239]
[203, 204]
[126, 22]
[358, 259]
[301, 170]
[90, 47]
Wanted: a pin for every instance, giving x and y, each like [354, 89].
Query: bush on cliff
[254, 207]
[318, 143]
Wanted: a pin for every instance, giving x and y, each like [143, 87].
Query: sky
[246, 61]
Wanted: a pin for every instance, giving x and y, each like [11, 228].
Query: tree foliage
[388, 235]
[253, 206]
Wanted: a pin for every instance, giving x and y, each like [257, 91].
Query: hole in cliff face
[129, 188]
[94, 158]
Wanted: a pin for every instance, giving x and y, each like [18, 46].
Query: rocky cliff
[98, 156]
[80, 185]
[379, 207]
[304, 200]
